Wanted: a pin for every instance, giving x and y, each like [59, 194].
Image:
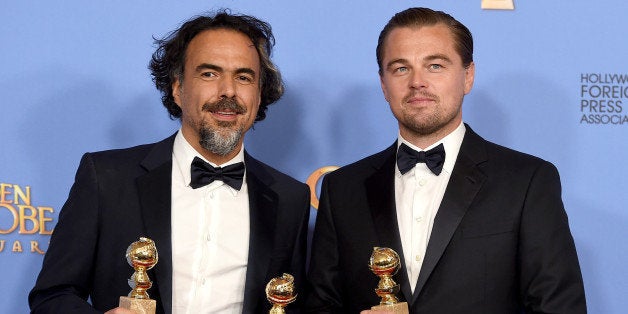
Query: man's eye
[435, 66]
[401, 70]
[245, 78]
[208, 74]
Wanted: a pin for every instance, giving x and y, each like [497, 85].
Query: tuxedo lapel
[155, 199]
[380, 191]
[262, 211]
[464, 183]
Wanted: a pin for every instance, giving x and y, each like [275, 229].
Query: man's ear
[469, 77]
[176, 91]
[381, 82]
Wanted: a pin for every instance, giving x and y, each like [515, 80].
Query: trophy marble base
[397, 308]
[139, 306]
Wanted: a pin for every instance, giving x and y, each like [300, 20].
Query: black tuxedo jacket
[500, 242]
[121, 195]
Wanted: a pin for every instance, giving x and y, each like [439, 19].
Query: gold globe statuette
[142, 256]
[280, 292]
[385, 263]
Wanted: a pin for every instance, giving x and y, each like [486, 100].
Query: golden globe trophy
[280, 292]
[384, 263]
[142, 256]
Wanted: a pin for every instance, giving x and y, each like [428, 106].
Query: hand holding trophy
[280, 292]
[142, 256]
[384, 263]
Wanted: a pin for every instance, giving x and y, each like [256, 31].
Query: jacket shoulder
[271, 175]
[514, 158]
[365, 167]
[480, 151]
[129, 159]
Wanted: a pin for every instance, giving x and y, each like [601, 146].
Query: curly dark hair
[168, 61]
[418, 17]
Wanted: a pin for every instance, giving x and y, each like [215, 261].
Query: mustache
[422, 94]
[225, 104]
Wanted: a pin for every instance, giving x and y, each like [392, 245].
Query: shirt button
[203, 281]
[418, 219]
[211, 195]
[422, 182]
[208, 237]
[417, 258]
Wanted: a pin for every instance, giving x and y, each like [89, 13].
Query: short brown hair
[417, 17]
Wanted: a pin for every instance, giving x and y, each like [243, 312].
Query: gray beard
[220, 142]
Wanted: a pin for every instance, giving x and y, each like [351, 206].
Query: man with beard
[223, 223]
[479, 228]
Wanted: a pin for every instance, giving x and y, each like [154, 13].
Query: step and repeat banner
[551, 80]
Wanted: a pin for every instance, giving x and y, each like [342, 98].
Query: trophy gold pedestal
[139, 306]
[142, 256]
[397, 308]
[384, 263]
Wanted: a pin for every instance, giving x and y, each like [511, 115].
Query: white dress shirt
[418, 194]
[210, 239]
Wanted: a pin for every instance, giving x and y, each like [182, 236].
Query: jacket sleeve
[63, 284]
[323, 295]
[299, 255]
[550, 278]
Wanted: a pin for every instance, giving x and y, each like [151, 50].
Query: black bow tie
[203, 174]
[433, 158]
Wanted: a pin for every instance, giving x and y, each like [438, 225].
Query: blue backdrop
[551, 80]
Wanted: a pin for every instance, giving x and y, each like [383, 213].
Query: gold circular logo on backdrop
[313, 179]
